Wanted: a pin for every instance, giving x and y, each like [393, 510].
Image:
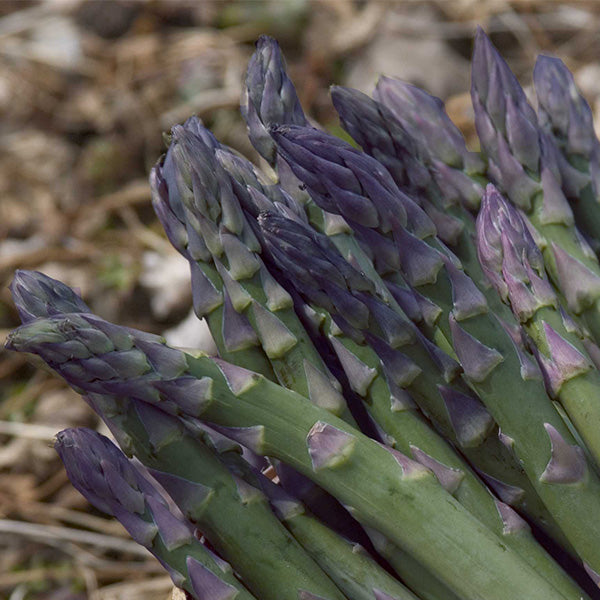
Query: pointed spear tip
[266, 41]
[546, 66]
[38, 295]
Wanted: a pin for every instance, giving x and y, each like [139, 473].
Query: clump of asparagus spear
[424, 383]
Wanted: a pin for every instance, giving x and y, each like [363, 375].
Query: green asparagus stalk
[523, 162]
[357, 575]
[257, 196]
[492, 364]
[384, 489]
[566, 116]
[112, 484]
[517, 271]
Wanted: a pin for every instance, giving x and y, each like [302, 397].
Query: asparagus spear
[516, 267]
[386, 490]
[458, 172]
[362, 191]
[407, 361]
[230, 519]
[234, 516]
[522, 160]
[102, 473]
[269, 97]
[234, 337]
[566, 116]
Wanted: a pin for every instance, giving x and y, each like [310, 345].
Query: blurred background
[87, 89]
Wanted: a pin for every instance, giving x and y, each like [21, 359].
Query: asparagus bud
[336, 175]
[102, 473]
[425, 118]
[36, 294]
[566, 116]
[523, 160]
[269, 97]
[510, 257]
[382, 136]
[562, 109]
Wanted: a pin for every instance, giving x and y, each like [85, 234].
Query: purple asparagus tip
[506, 124]
[270, 97]
[342, 179]
[510, 257]
[105, 477]
[425, 118]
[37, 295]
[382, 136]
[562, 109]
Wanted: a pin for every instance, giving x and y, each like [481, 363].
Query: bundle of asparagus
[413, 352]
